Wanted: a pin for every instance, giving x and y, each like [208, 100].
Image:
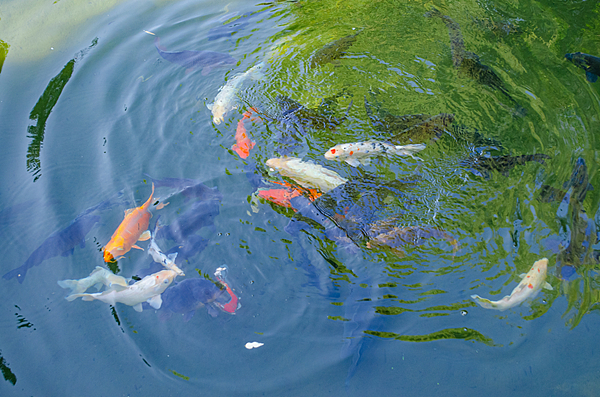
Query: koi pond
[299, 198]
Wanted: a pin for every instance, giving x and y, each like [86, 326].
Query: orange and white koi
[147, 289]
[361, 152]
[132, 229]
[530, 285]
[233, 304]
[243, 143]
[307, 174]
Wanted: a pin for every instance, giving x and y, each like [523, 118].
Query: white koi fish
[529, 287]
[361, 152]
[98, 277]
[147, 289]
[167, 261]
[307, 174]
[226, 99]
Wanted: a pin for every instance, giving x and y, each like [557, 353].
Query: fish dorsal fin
[138, 308]
[155, 302]
[547, 286]
[145, 236]
[522, 275]
[129, 211]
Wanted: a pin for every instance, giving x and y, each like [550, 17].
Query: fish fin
[155, 301]
[188, 316]
[522, 275]
[136, 247]
[71, 284]
[354, 162]
[162, 205]
[145, 236]
[172, 256]
[85, 297]
[591, 77]
[210, 106]
[138, 308]
[129, 211]
[547, 286]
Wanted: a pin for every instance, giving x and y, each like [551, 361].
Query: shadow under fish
[333, 51]
[188, 188]
[468, 63]
[193, 60]
[199, 215]
[589, 63]
[228, 29]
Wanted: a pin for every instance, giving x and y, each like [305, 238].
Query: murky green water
[89, 108]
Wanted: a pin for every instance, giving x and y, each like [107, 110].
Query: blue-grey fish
[192, 60]
[188, 188]
[333, 51]
[190, 295]
[62, 242]
[589, 63]
[200, 214]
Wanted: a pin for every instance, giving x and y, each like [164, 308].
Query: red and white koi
[147, 289]
[233, 304]
[530, 285]
[306, 173]
[361, 152]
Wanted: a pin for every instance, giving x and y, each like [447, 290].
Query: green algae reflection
[3, 53]
[449, 333]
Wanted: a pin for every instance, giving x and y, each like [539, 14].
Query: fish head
[578, 58]
[275, 163]
[205, 291]
[333, 153]
[108, 257]
[162, 280]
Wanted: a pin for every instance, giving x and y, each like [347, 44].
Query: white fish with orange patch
[226, 100]
[529, 287]
[147, 289]
[361, 152]
[307, 174]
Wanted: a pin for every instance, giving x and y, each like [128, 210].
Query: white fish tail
[73, 285]
[85, 297]
[409, 149]
[485, 303]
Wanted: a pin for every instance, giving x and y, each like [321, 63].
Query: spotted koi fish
[529, 287]
[361, 152]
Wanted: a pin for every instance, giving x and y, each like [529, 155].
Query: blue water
[90, 112]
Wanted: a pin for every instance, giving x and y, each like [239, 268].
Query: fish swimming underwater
[307, 174]
[192, 60]
[333, 50]
[425, 131]
[97, 277]
[190, 295]
[243, 143]
[227, 98]
[482, 165]
[468, 63]
[147, 289]
[529, 287]
[132, 228]
[361, 152]
[399, 236]
[62, 242]
[384, 121]
[589, 63]
[167, 261]
[188, 188]
[200, 214]
[233, 304]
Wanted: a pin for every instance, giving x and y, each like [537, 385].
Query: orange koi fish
[231, 306]
[280, 197]
[132, 229]
[243, 143]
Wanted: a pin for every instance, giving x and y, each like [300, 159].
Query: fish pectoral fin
[145, 236]
[129, 211]
[161, 206]
[591, 77]
[172, 256]
[210, 106]
[138, 308]
[155, 302]
[547, 286]
[354, 162]
[522, 275]
[136, 247]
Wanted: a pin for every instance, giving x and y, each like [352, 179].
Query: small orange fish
[312, 194]
[243, 143]
[132, 229]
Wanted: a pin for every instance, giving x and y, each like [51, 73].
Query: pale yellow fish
[147, 289]
[361, 152]
[98, 277]
[307, 174]
[529, 287]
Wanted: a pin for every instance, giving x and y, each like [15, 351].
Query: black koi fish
[333, 50]
[589, 63]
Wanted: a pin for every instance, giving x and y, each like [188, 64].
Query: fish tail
[69, 284]
[85, 297]
[485, 303]
[19, 272]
